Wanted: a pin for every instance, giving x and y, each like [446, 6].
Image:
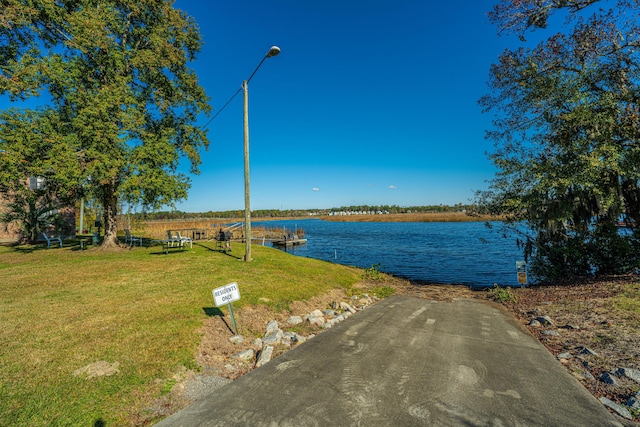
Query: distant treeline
[287, 213]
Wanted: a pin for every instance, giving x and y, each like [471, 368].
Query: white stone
[294, 320]
[272, 327]
[315, 313]
[264, 356]
[236, 339]
[273, 338]
[347, 307]
[244, 355]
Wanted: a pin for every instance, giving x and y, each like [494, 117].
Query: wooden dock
[295, 240]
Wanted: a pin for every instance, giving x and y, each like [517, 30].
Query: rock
[272, 327]
[534, 322]
[347, 307]
[315, 313]
[294, 320]
[365, 300]
[368, 299]
[257, 343]
[588, 351]
[290, 338]
[566, 355]
[315, 318]
[330, 313]
[550, 333]
[273, 334]
[273, 338]
[568, 326]
[588, 376]
[619, 409]
[545, 320]
[634, 401]
[264, 356]
[98, 369]
[236, 339]
[632, 374]
[244, 355]
[609, 378]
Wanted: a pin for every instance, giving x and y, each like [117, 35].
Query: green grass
[62, 309]
[629, 299]
[502, 294]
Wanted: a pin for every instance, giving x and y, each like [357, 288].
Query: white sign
[521, 269]
[226, 294]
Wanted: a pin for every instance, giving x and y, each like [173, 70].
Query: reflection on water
[435, 252]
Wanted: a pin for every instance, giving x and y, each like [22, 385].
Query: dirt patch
[216, 350]
[595, 335]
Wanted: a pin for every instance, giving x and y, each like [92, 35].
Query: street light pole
[247, 198]
[273, 51]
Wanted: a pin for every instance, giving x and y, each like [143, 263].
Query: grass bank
[62, 309]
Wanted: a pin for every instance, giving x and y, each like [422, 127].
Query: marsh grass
[62, 309]
[158, 229]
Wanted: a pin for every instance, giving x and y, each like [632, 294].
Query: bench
[52, 239]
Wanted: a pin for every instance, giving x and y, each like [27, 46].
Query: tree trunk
[109, 216]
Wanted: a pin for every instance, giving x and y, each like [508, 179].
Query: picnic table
[170, 244]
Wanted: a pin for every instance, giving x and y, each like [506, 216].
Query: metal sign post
[521, 269]
[226, 295]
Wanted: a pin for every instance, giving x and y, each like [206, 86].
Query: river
[432, 252]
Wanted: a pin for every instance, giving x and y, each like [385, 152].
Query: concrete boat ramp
[408, 362]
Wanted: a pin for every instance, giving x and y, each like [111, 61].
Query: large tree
[37, 172]
[567, 134]
[120, 101]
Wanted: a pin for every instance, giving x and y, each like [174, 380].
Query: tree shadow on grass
[218, 250]
[28, 249]
[215, 311]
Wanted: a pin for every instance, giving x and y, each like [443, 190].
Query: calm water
[459, 253]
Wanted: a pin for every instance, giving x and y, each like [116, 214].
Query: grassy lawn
[62, 309]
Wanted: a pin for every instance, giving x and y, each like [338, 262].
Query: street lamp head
[274, 51]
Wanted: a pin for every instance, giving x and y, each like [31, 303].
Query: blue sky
[368, 102]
